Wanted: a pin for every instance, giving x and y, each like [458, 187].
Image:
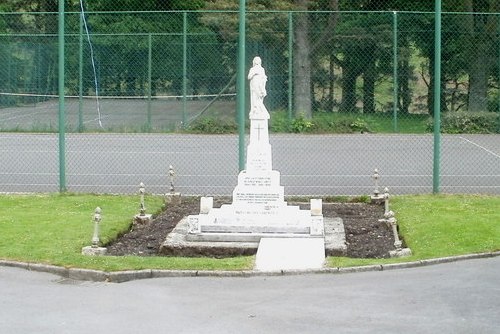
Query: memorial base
[94, 251]
[173, 198]
[143, 219]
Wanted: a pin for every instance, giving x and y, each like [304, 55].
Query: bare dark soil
[366, 237]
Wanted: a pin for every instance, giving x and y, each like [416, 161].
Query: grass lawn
[442, 225]
[53, 228]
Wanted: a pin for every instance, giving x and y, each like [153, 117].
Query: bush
[467, 122]
[213, 126]
[300, 124]
[359, 125]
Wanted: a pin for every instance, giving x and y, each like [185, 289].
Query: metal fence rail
[160, 73]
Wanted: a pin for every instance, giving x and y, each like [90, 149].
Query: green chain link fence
[348, 92]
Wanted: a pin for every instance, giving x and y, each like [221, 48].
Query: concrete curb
[130, 275]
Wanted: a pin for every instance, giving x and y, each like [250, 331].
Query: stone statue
[258, 79]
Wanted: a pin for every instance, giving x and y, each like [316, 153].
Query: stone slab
[403, 252]
[239, 237]
[256, 229]
[177, 242]
[94, 251]
[275, 254]
[335, 242]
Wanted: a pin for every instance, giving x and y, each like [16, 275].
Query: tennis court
[125, 113]
[208, 164]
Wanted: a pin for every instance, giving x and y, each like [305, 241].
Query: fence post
[290, 66]
[437, 99]
[62, 118]
[395, 69]
[80, 76]
[498, 96]
[184, 69]
[150, 64]
[240, 97]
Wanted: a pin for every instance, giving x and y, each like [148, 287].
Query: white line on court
[481, 147]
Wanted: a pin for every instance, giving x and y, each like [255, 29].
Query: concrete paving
[275, 254]
[456, 297]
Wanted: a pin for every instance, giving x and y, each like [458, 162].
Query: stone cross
[97, 221]
[258, 128]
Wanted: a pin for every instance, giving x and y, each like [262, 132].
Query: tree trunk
[302, 67]
[369, 83]
[430, 94]
[404, 86]
[478, 80]
[331, 87]
[303, 50]
[477, 26]
[349, 76]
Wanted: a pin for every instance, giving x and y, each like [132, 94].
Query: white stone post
[386, 200]
[391, 220]
[142, 191]
[97, 221]
[94, 249]
[376, 198]
[172, 197]
[171, 174]
[142, 217]
[375, 177]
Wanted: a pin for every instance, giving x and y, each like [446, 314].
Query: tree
[306, 44]
[481, 30]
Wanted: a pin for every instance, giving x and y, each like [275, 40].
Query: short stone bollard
[172, 197]
[142, 218]
[317, 223]
[195, 221]
[95, 249]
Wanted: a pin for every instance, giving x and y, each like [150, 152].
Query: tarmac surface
[208, 164]
[451, 297]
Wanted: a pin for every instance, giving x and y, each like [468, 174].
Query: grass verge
[52, 229]
[441, 225]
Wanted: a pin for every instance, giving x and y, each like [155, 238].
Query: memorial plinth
[258, 208]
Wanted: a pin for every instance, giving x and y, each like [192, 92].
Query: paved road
[208, 165]
[460, 297]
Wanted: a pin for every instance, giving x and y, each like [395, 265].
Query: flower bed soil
[366, 237]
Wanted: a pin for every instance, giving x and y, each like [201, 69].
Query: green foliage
[347, 199]
[210, 125]
[468, 122]
[300, 124]
[323, 122]
[359, 125]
